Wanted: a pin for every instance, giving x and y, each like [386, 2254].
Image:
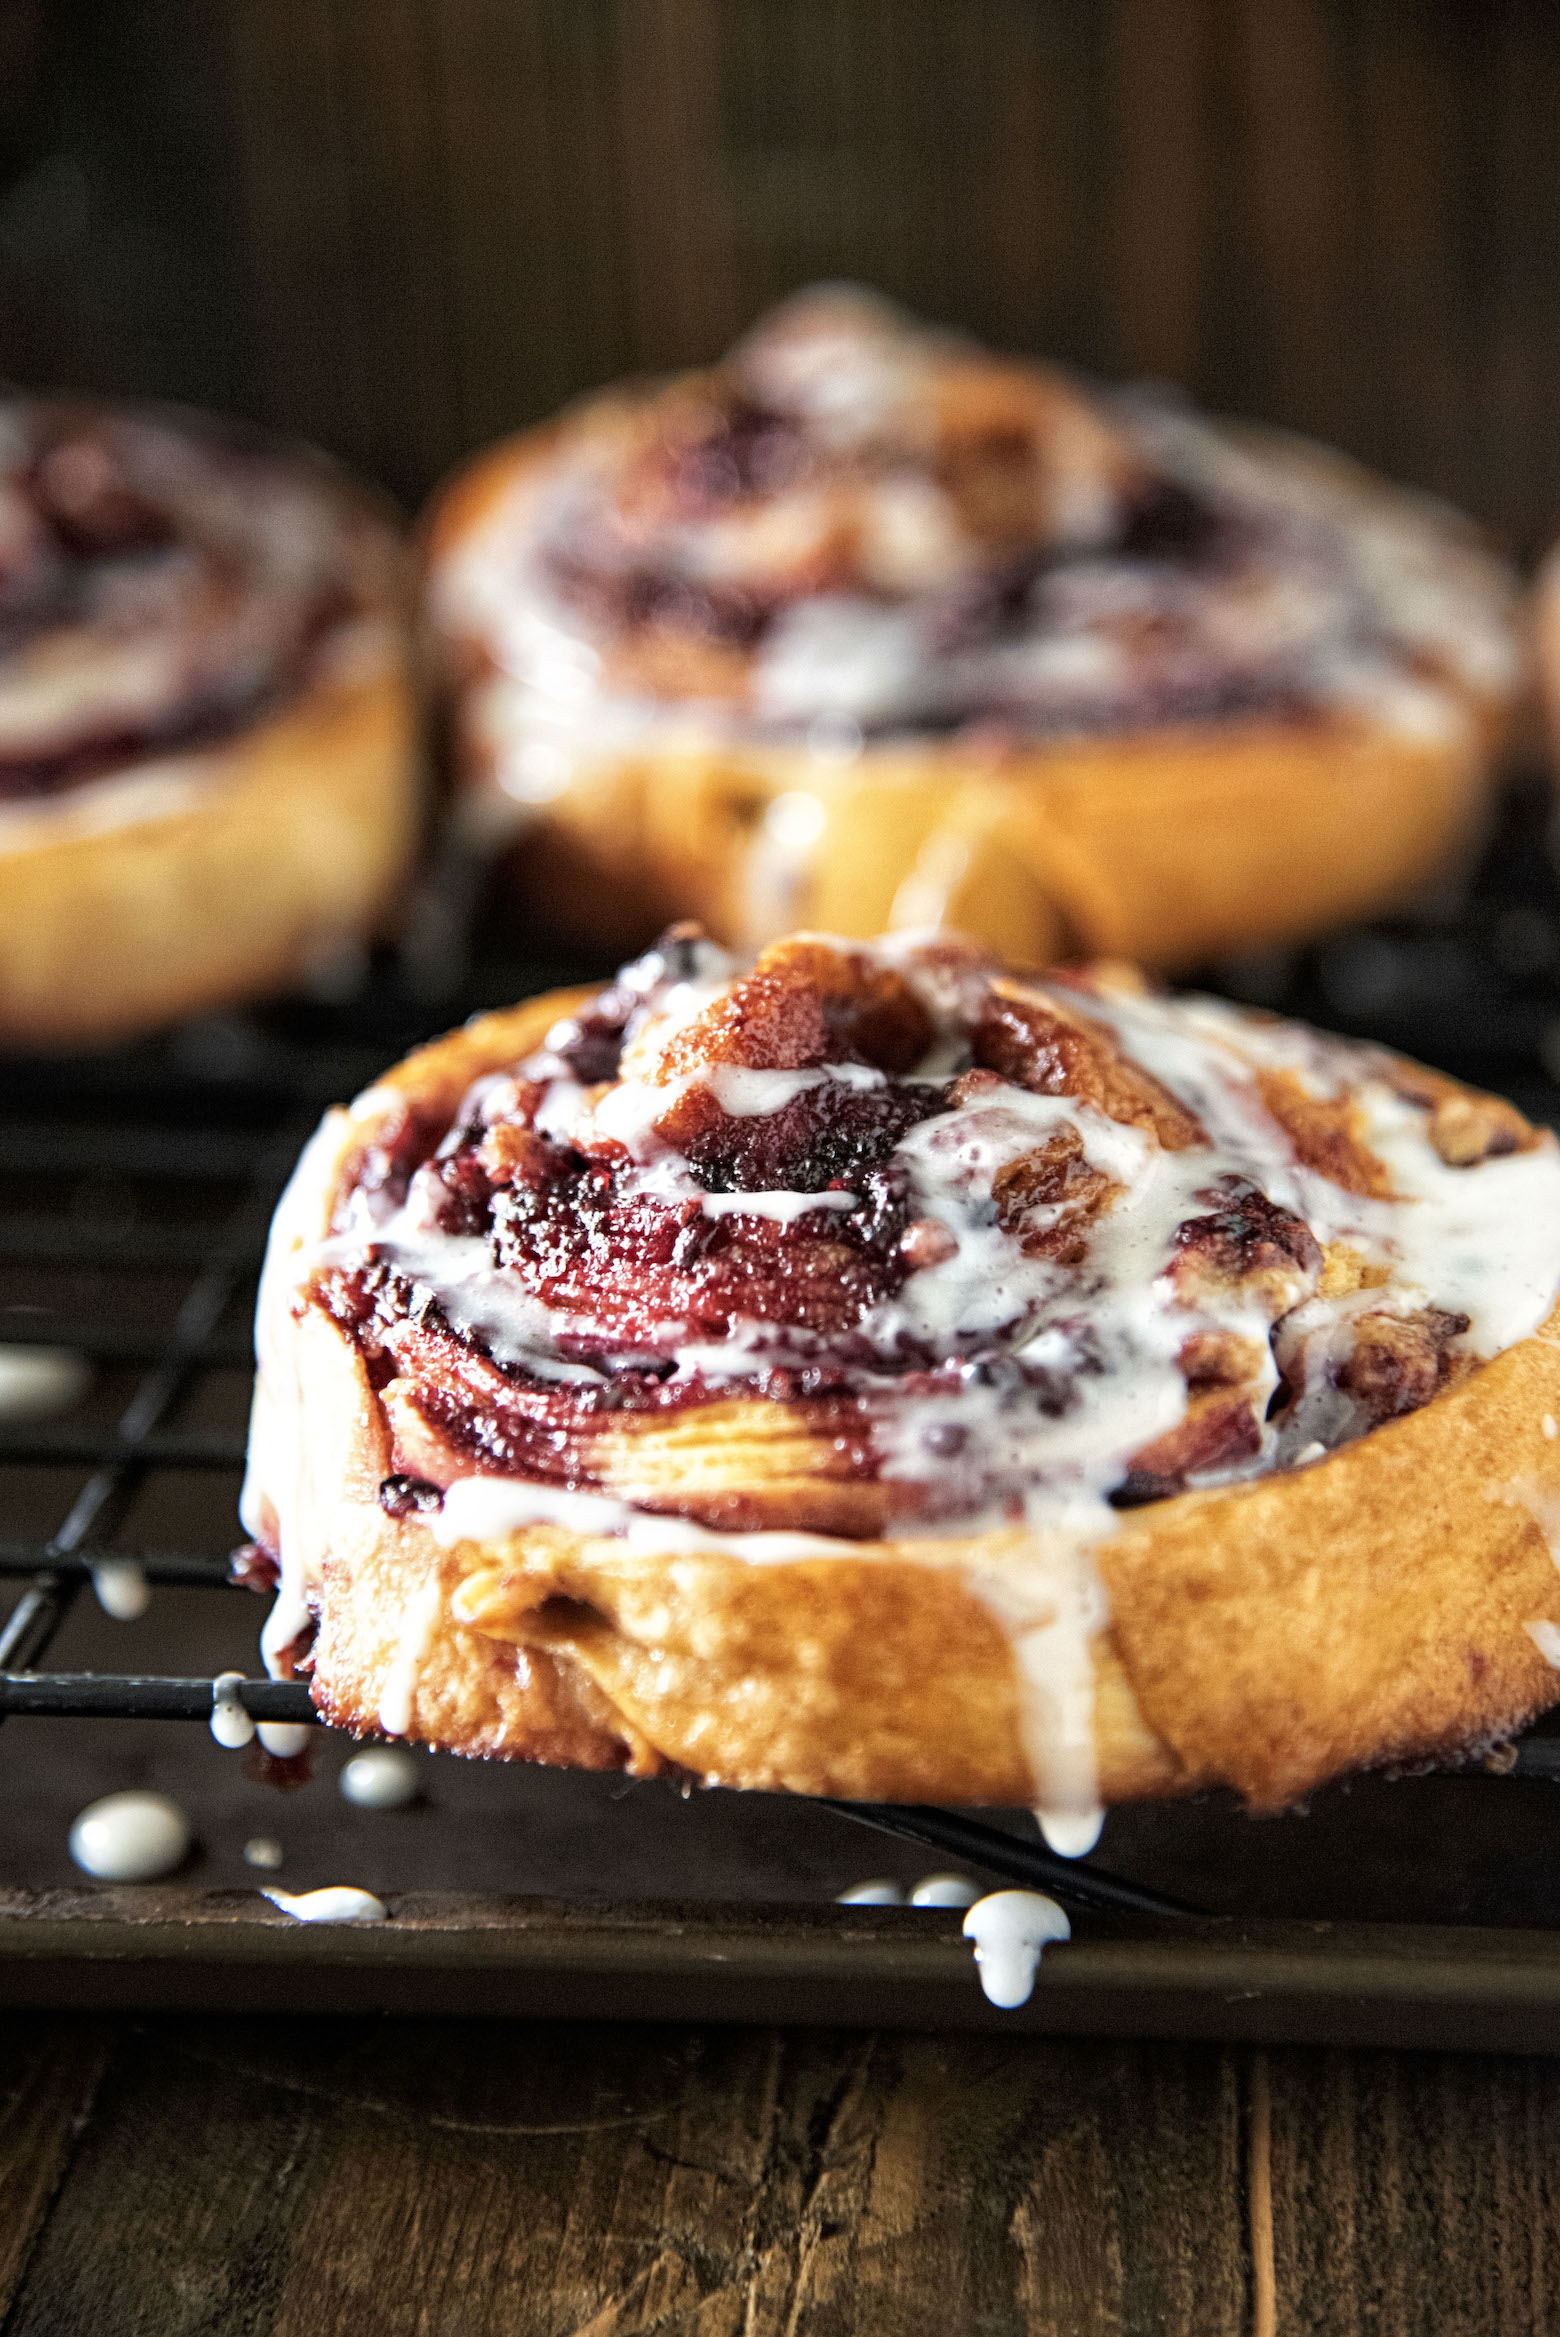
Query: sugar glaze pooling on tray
[1036, 1251]
[336, 1903]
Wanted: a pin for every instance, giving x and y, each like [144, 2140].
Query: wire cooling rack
[137, 1186]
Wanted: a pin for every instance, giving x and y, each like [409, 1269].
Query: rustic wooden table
[169, 2176]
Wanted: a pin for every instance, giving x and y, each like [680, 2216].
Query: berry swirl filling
[882, 1240]
[164, 579]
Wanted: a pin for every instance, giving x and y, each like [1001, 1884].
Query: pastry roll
[208, 760]
[874, 1371]
[868, 629]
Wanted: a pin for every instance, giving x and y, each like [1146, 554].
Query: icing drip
[36, 1383]
[1011, 1930]
[121, 1589]
[1052, 1604]
[130, 1837]
[230, 1723]
[384, 1778]
[398, 1697]
[1071, 1833]
[339, 1903]
[945, 1890]
[284, 1740]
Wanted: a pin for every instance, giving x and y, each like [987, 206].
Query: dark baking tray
[135, 1187]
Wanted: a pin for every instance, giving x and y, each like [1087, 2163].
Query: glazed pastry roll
[868, 629]
[208, 759]
[873, 1371]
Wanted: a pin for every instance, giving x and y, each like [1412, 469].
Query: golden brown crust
[214, 875]
[1267, 1636]
[1167, 845]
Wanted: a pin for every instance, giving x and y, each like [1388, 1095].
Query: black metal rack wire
[219, 1111]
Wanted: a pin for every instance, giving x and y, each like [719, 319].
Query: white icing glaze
[284, 1740]
[262, 1851]
[1011, 1929]
[1542, 1503]
[479, 1297]
[945, 1890]
[130, 1837]
[877, 1893]
[383, 1778]
[748, 1094]
[121, 1589]
[398, 1696]
[277, 1504]
[1483, 1241]
[481, 1509]
[230, 1723]
[780, 1208]
[1071, 1833]
[338, 1903]
[36, 1383]
[1051, 1602]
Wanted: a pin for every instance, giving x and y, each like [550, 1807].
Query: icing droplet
[130, 1837]
[877, 1893]
[1010, 1929]
[1551, 1426]
[38, 1382]
[1546, 1638]
[337, 1904]
[284, 1739]
[230, 1723]
[398, 1697]
[945, 1890]
[386, 1778]
[262, 1851]
[121, 1589]
[1071, 1833]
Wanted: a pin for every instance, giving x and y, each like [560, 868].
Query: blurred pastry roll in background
[867, 629]
[208, 734]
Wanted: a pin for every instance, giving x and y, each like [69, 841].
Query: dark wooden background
[434, 2179]
[403, 225]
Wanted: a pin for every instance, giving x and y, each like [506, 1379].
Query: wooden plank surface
[403, 226]
[312, 2179]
